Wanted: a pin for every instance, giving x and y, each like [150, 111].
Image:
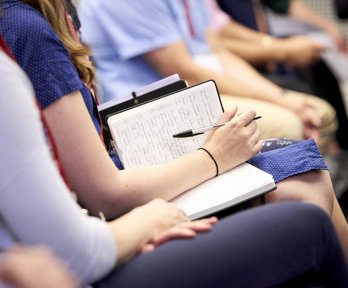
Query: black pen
[199, 131]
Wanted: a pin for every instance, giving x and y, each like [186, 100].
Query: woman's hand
[35, 267]
[300, 51]
[140, 226]
[334, 31]
[235, 142]
[185, 230]
[303, 108]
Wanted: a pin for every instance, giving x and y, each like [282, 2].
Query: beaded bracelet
[212, 158]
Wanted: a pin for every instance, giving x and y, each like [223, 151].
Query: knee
[300, 215]
[310, 212]
[326, 112]
[281, 123]
[313, 215]
[314, 187]
[324, 190]
[277, 122]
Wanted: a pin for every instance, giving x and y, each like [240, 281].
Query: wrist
[267, 41]
[212, 159]
[282, 50]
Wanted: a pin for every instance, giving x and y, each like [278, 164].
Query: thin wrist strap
[212, 158]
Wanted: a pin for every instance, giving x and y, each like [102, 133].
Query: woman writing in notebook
[154, 245]
[43, 43]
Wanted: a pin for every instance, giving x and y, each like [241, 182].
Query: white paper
[144, 134]
[141, 91]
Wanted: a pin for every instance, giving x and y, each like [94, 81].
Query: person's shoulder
[136, 6]
[26, 22]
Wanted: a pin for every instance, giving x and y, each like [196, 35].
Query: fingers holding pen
[246, 118]
[228, 115]
[236, 141]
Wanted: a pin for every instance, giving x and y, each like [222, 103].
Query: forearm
[241, 32]
[300, 10]
[245, 80]
[130, 188]
[255, 53]
[236, 83]
[234, 79]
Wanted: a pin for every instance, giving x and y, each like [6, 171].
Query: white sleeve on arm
[35, 204]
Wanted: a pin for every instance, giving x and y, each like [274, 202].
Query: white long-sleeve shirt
[35, 204]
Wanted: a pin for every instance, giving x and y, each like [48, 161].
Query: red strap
[51, 140]
[5, 48]
[189, 18]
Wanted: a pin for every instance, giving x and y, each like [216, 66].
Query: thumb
[228, 115]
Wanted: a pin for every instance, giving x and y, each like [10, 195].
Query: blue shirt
[42, 55]
[121, 33]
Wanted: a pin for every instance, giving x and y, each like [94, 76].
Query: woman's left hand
[185, 230]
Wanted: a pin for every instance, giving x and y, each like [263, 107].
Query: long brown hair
[55, 13]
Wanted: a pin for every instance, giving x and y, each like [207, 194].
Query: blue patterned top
[42, 55]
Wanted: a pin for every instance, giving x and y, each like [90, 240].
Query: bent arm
[101, 187]
[228, 83]
[96, 180]
[254, 52]
[236, 30]
[302, 11]
[261, 49]
[36, 206]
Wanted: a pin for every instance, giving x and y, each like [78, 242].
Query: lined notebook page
[144, 134]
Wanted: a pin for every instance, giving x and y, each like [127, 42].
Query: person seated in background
[301, 12]
[319, 76]
[34, 267]
[262, 50]
[33, 32]
[154, 245]
[143, 53]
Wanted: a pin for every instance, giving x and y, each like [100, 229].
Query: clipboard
[134, 101]
[145, 128]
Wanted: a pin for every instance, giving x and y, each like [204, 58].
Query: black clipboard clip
[135, 98]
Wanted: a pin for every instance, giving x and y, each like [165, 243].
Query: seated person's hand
[341, 43]
[24, 267]
[311, 121]
[185, 230]
[134, 230]
[300, 51]
[235, 142]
